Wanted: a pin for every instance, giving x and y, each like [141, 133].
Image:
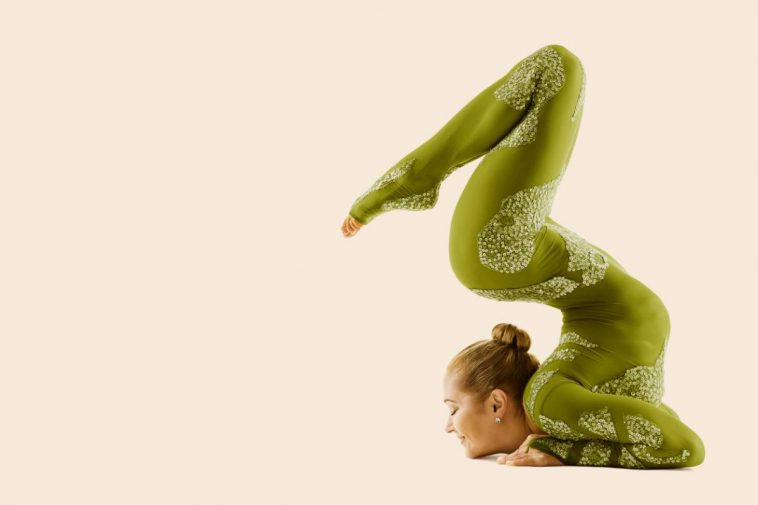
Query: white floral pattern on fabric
[534, 81]
[596, 453]
[643, 382]
[507, 242]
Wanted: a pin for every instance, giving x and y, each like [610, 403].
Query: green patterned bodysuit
[598, 395]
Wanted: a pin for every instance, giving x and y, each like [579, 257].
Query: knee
[689, 445]
[570, 60]
[696, 449]
[562, 50]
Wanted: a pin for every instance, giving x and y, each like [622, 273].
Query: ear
[499, 401]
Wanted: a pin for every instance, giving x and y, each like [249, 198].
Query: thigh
[500, 215]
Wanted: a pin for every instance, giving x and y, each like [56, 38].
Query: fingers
[519, 453]
[517, 460]
[523, 461]
[532, 458]
[524, 457]
[346, 229]
[350, 226]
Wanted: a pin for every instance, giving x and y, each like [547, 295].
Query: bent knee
[563, 51]
[571, 62]
[690, 447]
[696, 449]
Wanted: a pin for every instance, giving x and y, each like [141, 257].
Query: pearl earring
[497, 420]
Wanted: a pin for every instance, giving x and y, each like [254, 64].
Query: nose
[449, 426]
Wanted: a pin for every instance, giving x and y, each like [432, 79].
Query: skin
[350, 226]
[474, 422]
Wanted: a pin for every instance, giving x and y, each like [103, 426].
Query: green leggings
[598, 394]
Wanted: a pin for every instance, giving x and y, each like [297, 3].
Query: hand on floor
[534, 457]
[350, 226]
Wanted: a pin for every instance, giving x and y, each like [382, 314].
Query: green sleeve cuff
[360, 216]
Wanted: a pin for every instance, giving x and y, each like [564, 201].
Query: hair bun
[512, 335]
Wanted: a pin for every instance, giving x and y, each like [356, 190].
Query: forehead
[450, 385]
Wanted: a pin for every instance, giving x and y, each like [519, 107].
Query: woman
[596, 400]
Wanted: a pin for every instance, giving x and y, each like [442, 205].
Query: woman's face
[474, 422]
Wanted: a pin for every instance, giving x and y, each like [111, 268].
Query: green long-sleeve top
[599, 393]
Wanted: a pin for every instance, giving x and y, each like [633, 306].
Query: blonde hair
[502, 362]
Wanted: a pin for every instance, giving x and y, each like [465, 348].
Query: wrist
[361, 217]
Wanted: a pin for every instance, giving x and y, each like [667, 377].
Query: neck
[531, 427]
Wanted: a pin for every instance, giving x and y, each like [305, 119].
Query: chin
[471, 454]
[478, 454]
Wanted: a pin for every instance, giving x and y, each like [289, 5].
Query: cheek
[464, 424]
[471, 426]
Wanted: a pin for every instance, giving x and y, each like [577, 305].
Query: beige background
[182, 322]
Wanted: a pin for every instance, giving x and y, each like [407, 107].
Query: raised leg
[500, 219]
[502, 115]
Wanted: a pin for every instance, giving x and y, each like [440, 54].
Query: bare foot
[350, 226]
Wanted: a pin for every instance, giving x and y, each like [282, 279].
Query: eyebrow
[448, 400]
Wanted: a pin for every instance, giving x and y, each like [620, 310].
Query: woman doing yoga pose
[596, 400]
